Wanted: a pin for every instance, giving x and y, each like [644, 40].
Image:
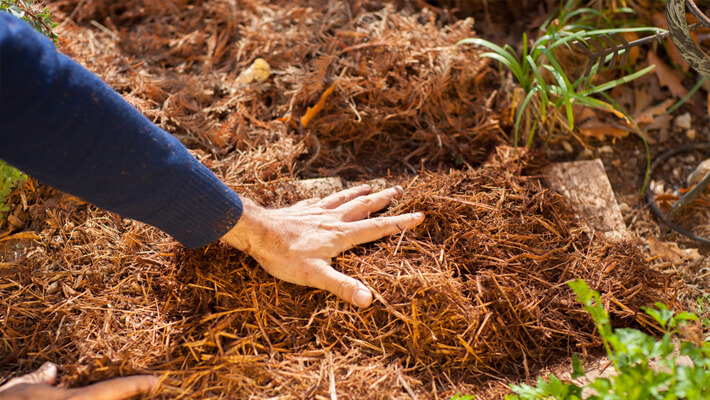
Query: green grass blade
[588, 11]
[685, 98]
[543, 88]
[564, 85]
[586, 34]
[506, 57]
[616, 82]
[521, 111]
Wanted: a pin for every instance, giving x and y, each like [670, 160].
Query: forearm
[64, 126]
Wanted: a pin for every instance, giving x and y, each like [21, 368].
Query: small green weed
[544, 82]
[630, 351]
[9, 178]
[41, 19]
[30, 11]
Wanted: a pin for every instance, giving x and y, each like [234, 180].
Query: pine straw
[405, 94]
[474, 298]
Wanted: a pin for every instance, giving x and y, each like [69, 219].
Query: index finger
[116, 389]
[376, 228]
[343, 196]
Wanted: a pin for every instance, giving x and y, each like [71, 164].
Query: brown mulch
[471, 300]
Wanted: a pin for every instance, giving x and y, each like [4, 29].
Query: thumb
[117, 388]
[46, 374]
[341, 285]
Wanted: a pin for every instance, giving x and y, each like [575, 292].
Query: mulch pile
[472, 299]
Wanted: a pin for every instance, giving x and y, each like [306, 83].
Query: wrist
[249, 226]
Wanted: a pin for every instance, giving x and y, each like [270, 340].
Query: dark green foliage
[41, 19]
[30, 11]
[630, 352]
[9, 178]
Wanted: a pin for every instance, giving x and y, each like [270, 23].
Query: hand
[37, 385]
[296, 244]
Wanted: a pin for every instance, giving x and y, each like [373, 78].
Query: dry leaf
[634, 51]
[648, 115]
[666, 77]
[670, 251]
[661, 122]
[642, 99]
[259, 71]
[22, 236]
[601, 131]
[667, 197]
[313, 111]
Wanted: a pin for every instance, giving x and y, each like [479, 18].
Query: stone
[586, 186]
[683, 121]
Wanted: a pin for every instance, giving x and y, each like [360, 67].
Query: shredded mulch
[474, 298]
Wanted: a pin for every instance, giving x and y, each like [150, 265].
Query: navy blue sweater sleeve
[62, 125]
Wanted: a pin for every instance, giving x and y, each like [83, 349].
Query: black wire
[649, 199]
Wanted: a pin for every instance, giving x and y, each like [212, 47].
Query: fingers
[373, 229]
[307, 202]
[344, 196]
[46, 374]
[362, 207]
[116, 389]
[341, 285]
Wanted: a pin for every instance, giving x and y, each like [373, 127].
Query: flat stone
[586, 186]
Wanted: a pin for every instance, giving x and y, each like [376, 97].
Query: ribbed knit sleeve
[62, 125]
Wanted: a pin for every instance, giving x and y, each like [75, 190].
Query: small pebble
[606, 149]
[624, 208]
[691, 134]
[683, 121]
[567, 146]
[586, 154]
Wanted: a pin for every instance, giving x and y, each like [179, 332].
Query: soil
[470, 302]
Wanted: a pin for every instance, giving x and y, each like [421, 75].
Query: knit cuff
[203, 211]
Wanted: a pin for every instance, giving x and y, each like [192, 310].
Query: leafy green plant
[630, 352]
[543, 80]
[29, 10]
[9, 178]
[41, 19]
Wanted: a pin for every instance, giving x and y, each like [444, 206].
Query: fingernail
[362, 298]
[419, 215]
[399, 191]
[47, 373]
[365, 187]
[47, 365]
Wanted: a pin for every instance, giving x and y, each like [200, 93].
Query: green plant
[630, 352]
[29, 10]
[9, 178]
[41, 19]
[541, 76]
